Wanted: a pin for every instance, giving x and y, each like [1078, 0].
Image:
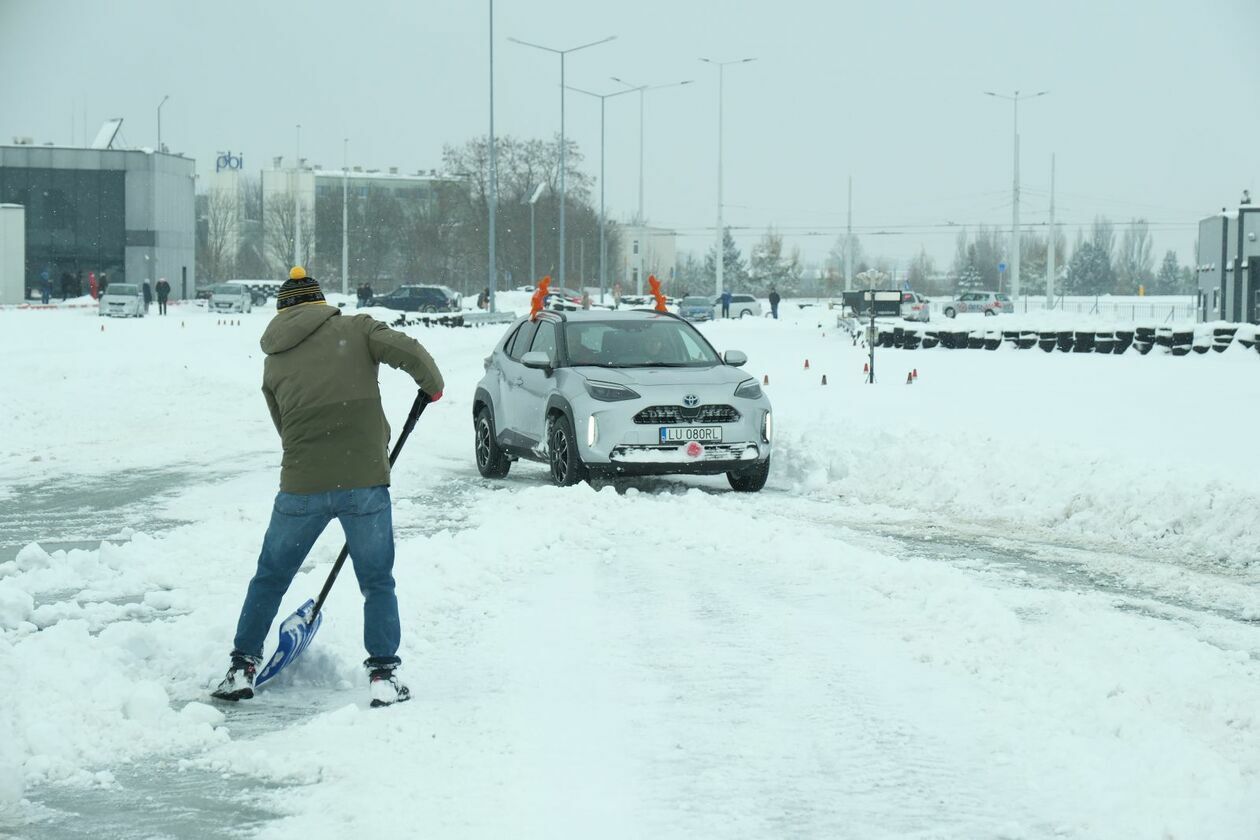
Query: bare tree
[278, 218]
[1135, 264]
[223, 225]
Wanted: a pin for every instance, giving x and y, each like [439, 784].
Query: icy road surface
[825, 659]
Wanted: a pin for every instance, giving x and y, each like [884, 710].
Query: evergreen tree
[1168, 281]
[734, 272]
[1089, 272]
[769, 267]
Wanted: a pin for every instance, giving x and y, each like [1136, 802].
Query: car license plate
[686, 434]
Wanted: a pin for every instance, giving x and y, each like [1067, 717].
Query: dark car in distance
[418, 299]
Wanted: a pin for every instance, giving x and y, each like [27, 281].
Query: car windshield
[1003, 298]
[696, 301]
[228, 289]
[122, 289]
[656, 342]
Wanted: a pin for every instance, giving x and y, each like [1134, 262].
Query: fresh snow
[1015, 599]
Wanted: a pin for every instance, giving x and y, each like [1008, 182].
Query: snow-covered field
[1015, 599]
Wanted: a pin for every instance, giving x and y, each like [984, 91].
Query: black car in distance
[418, 299]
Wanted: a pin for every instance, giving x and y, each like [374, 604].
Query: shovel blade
[296, 633]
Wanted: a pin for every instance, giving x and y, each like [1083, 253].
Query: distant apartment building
[644, 251]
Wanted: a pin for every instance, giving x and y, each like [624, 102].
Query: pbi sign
[230, 162]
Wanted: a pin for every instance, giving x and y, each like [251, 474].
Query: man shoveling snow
[320, 382]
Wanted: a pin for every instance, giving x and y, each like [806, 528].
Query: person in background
[148, 295]
[586, 299]
[45, 286]
[726, 303]
[66, 280]
[774, 302]
[616, 295]
[320, 383]
[163, 292]
[361, 296]
[368, 294]
[483, 299]
[103, 285]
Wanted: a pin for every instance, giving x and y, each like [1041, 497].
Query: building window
[636, 246]
[1216, 293]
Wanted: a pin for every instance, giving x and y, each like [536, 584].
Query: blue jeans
[297, 520]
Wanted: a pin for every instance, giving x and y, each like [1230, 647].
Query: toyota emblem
[691, 401]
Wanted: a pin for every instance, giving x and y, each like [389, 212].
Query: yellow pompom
[297, 273]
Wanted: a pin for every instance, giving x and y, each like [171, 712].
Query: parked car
[742, 306]
[915, 307]
[122, 300]
[631, 392]
[990, 303]
[260, 290]
[231, 297]
[419, 299]
[696, 308]
[562, 299]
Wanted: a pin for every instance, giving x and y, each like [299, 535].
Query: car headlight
[749, 390]
[610, 391]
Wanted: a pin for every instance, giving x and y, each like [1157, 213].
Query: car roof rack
[673, 315]
[550, 315]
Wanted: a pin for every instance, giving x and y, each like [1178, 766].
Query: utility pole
[345, 217]
[1050, 246]
[1015, 233]
[848, 243]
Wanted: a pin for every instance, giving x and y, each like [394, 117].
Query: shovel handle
[417, 408]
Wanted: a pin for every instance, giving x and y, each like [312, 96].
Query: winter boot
[386, 688]
[239, 682]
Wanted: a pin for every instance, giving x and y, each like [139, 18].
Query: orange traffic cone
[866, 367]
[807, 364]
[102, 328]
[915, 373]
[909, 378]
[765, 380]
[824, 379]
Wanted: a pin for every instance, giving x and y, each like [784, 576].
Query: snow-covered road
[658, 659]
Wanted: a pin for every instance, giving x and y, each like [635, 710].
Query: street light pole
[533, 199]
[345, 217]
[603, 272]
[562, 54]
[297, 200]
[1015, 232]
[721, 240]
[159, 115]
[641, 217]
[494, 177]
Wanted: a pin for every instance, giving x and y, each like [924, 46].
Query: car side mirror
[536, 359]
[735, 358]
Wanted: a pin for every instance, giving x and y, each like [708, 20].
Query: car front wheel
[950, 312]
[989, 313]
[750, 480]
[492, 462]
[562, 454]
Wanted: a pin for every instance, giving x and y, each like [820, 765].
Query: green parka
[319, 380]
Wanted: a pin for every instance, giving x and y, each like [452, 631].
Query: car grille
[680, 414]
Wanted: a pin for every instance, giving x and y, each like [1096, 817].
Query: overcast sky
[1152, 109]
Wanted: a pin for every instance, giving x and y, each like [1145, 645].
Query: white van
[122, 300]
[231, 297]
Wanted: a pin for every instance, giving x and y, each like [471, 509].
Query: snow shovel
[297, 630]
